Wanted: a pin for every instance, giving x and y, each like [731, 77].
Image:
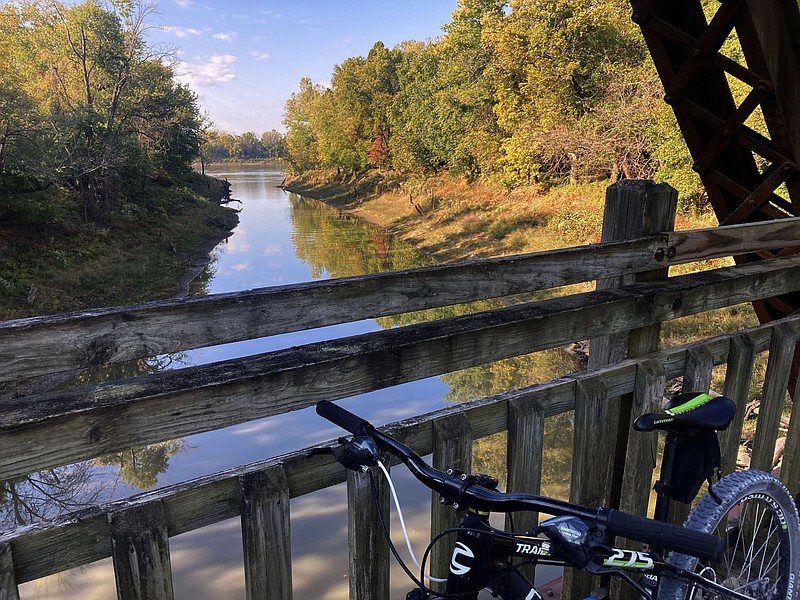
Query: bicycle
[742, 540]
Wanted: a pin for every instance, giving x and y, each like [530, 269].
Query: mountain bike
[742, 540]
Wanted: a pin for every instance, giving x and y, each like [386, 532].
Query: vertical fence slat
[524, 455]
[452, 447]
[698, 370]
[266, 534]
[369, 554]
[696, 378]
[8, 584]
[641, 457]
[140, 550]
[741, 358]
[776, 380]
[592, 463]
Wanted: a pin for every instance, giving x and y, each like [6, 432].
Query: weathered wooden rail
[51, 428]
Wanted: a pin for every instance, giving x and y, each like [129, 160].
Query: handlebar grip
[666, 535]
[341, 417]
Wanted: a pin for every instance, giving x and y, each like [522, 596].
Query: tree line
[220, 146]
[517, 91]
[87, 106]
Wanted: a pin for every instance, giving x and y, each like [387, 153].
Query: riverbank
[144, 252]
[453, 220]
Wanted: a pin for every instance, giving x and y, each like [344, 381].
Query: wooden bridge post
[452, 448]
[266, 534]
[369, 554]
[8, 584]
[634, 208]
[773, 397]
[738, 375]
[524, 455]
[140, 550]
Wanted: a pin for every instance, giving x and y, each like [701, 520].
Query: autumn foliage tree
[519, 91]
[86, 104]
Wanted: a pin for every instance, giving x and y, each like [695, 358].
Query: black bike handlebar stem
[641, 529]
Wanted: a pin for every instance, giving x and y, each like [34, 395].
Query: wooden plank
[641, 456]
[82, 538]
[776, 380]
[63, 427]
[8, 584]
[140, 549]
[41, 345]
[640, 459]
[524, 455]
[266, 534]
[592, 463]
[368, 552]
[452, 449]
[738, 375]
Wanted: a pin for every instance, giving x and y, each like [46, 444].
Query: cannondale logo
[461, 550]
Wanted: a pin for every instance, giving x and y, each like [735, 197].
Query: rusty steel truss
[731, 72]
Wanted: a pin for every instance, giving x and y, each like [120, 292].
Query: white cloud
[225, 37]
[184, 3]
[181, 32]
[214, 70]
[259, 55]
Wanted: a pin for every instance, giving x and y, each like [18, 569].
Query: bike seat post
[663, 486]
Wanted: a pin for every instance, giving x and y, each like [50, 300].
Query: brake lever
[358, 454]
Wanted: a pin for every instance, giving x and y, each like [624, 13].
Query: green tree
[301, 140]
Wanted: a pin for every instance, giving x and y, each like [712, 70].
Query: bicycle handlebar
[640, 529]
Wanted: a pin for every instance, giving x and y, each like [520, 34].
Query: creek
[282, 239]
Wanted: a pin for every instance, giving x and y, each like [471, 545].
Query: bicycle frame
[482, 557]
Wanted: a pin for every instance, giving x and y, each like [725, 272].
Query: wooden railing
[51, 428]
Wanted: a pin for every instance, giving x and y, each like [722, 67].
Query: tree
[301, 140]
[88, 102]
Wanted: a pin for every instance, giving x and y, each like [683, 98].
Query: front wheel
[758, 520]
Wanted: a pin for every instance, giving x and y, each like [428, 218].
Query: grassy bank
[454, 220]
[54, 262]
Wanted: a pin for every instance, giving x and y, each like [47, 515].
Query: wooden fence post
[741, 358]
[524, 455]
[633, 209]
[140, 550]
[8, 584]
[452, 448]
[776, 381]
[266, 534]
[369, 554]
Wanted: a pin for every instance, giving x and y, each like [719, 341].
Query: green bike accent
[696, 402]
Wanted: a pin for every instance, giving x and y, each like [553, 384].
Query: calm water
[282, 239]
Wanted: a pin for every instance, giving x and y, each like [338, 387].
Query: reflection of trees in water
[48, 494]
[124, 370]
[344, 246]
[140, 467]
[489, 454]
[199, 286]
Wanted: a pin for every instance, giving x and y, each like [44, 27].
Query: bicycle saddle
[690, 412]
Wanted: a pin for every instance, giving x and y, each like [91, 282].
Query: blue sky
[244, 59]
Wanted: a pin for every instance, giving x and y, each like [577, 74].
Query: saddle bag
[697, 459]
